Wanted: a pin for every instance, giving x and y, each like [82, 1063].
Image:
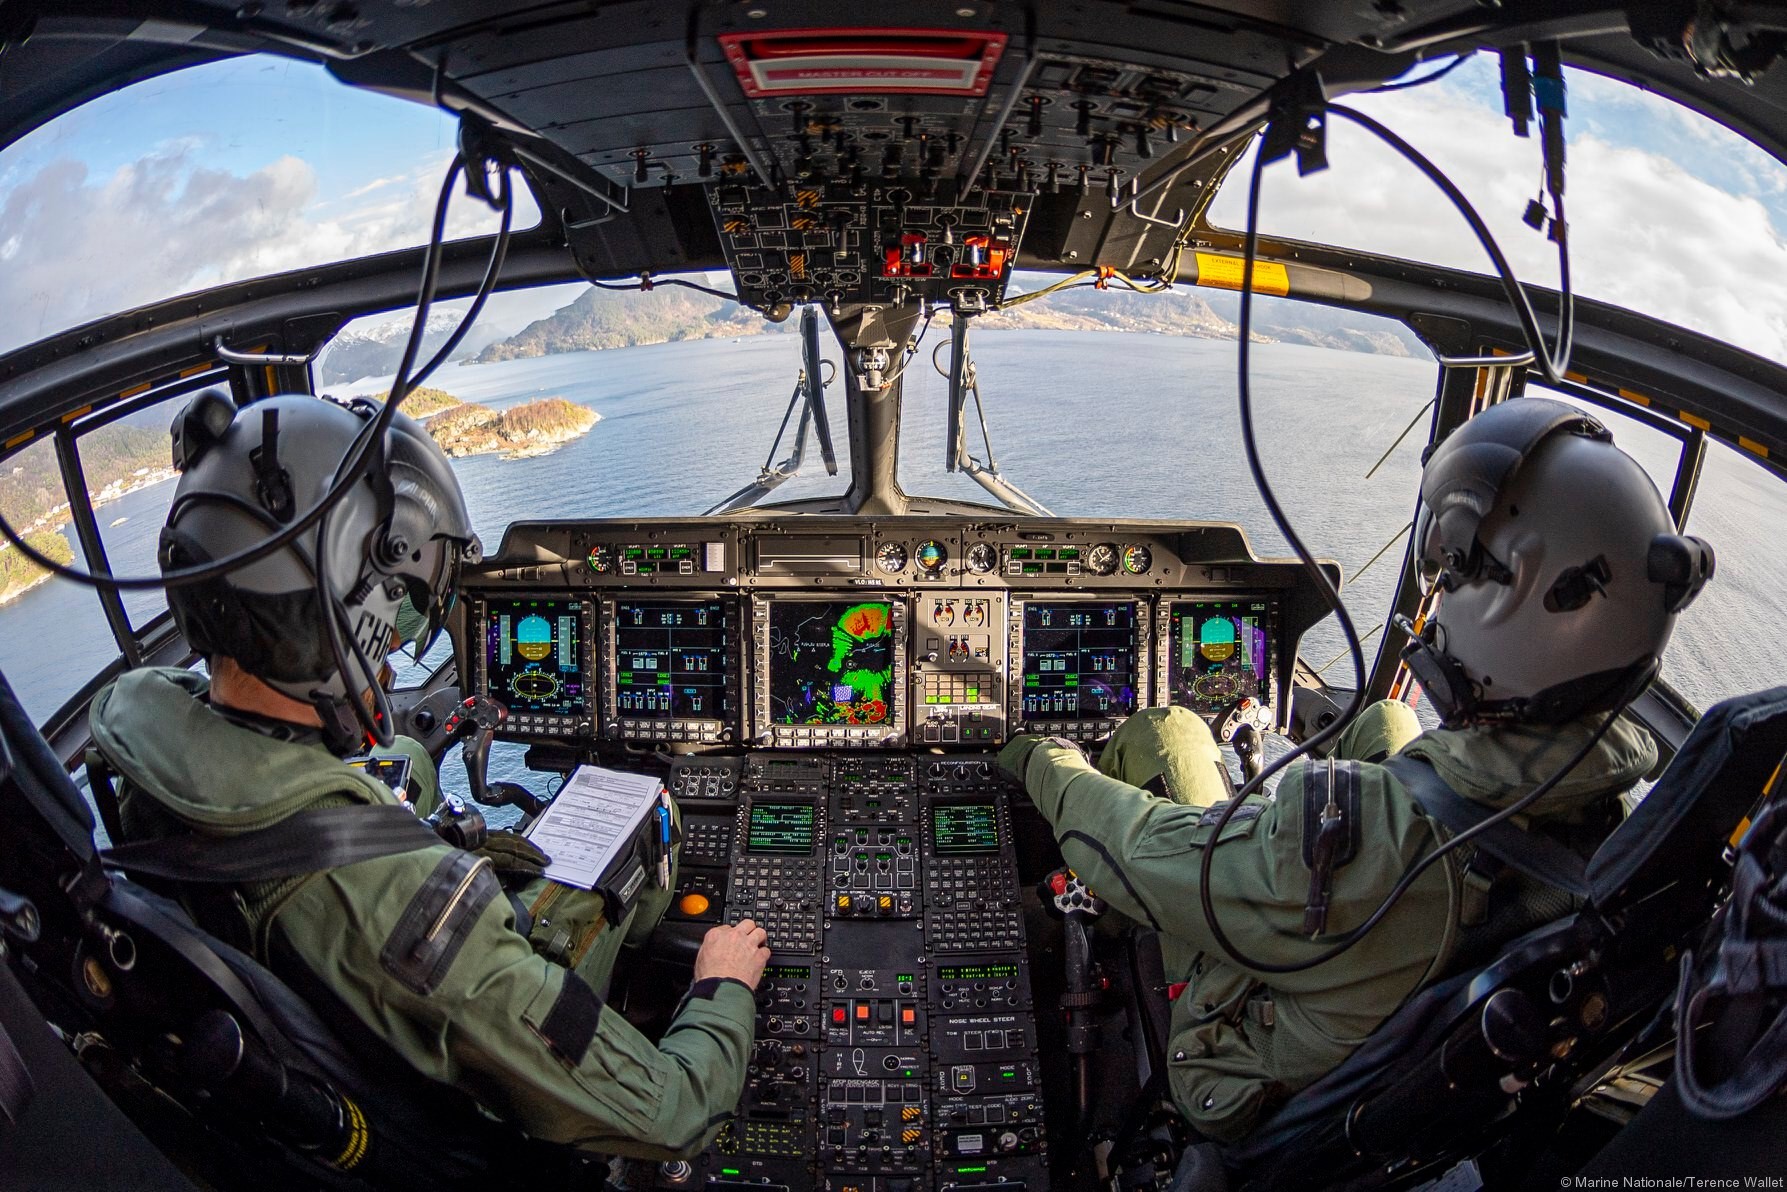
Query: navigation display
[1079, 661]
[533, 655]
[670, 660]
[785, 828]
[831, 662]
[958, 828]
[1219, 651]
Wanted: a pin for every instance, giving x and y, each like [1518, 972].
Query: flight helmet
[390, 550]
[1560, 570]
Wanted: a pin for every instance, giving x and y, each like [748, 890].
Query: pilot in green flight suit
[1528, 660]
[420, 946]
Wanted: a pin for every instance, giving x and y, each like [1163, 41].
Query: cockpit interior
[823, 682]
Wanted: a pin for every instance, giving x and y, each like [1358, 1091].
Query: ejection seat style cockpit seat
[213, 1055]
[1492, 1058]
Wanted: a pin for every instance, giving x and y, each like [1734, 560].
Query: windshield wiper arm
[963, 382]
[809, 396]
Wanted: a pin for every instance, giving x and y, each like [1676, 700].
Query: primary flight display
[533, 652]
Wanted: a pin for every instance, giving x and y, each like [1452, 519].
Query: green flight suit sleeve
[1142, 854]
[430, 960]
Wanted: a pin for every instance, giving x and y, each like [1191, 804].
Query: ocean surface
[1096, 424]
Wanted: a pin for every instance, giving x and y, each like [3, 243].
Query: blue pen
[664, 840]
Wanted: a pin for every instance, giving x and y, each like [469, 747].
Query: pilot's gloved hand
[515, 858]
[1016, 754]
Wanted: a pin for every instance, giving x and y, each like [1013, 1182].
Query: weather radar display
[533, 655]
[1221, 651]
[830, 662]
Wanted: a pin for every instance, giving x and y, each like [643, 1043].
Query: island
[532, 428]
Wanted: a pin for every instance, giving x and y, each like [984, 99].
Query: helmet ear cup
[1682, 563]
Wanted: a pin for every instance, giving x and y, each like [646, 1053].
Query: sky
[252, 166]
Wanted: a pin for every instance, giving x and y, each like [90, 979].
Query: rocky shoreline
[50, 526]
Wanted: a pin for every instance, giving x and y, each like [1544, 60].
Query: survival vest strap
[1531, 853]
[1731, 1006]
[302, 843]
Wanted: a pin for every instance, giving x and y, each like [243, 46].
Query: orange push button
[862, 1011]
[693, 904]
[908, 1016]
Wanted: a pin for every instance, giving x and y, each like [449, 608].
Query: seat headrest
[1719, 775]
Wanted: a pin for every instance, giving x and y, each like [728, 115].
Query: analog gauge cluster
[929, 560]
[1102, 559]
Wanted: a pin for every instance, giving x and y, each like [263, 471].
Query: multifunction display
[533, 655]
[1080, 661]
[831, 662]
[671, 660]
[1219, 651]
[961, 828]
[783, 828]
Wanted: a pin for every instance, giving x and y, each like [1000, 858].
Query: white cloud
[80, 247]
[1647, 233]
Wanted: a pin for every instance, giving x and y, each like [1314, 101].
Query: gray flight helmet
[1560, 567]
[391, 548]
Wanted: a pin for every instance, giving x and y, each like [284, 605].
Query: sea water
[1092, 424]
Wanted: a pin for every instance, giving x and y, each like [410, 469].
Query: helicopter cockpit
[821, 659]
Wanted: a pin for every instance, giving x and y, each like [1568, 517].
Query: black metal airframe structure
[1094, 134]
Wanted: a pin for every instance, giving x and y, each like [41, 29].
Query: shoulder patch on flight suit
[571, 1024]
[437, 921]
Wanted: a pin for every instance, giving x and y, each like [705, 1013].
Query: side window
[1727, 642]
[39, 614]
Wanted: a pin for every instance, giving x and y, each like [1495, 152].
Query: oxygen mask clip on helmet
[1559, 569]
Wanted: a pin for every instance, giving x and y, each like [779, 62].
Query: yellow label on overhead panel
[1224, 273]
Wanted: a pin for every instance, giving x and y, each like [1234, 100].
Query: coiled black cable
[1529, 324]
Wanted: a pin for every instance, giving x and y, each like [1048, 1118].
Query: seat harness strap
[303, 843]
[1531, 853]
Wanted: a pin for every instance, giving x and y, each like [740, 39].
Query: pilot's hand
[739, 952]
[516, 859]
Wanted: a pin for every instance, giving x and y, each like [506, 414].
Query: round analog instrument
[891, 558]
[982, 558]
[599, 560]
[931, 556]
[1137, 559]
[1102, 559]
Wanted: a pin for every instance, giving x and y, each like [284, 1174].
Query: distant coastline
[19, 575]
[124, 460]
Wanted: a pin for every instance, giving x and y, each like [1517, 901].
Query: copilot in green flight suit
[1241, 1041]
[422, 946]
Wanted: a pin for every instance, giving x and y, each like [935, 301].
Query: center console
[896, 1035]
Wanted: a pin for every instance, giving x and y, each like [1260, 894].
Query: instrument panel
[833, 632]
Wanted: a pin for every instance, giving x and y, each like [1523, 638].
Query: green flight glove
[1016, 754]
[515, 859]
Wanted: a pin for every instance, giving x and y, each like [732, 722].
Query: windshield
[1670, 214]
